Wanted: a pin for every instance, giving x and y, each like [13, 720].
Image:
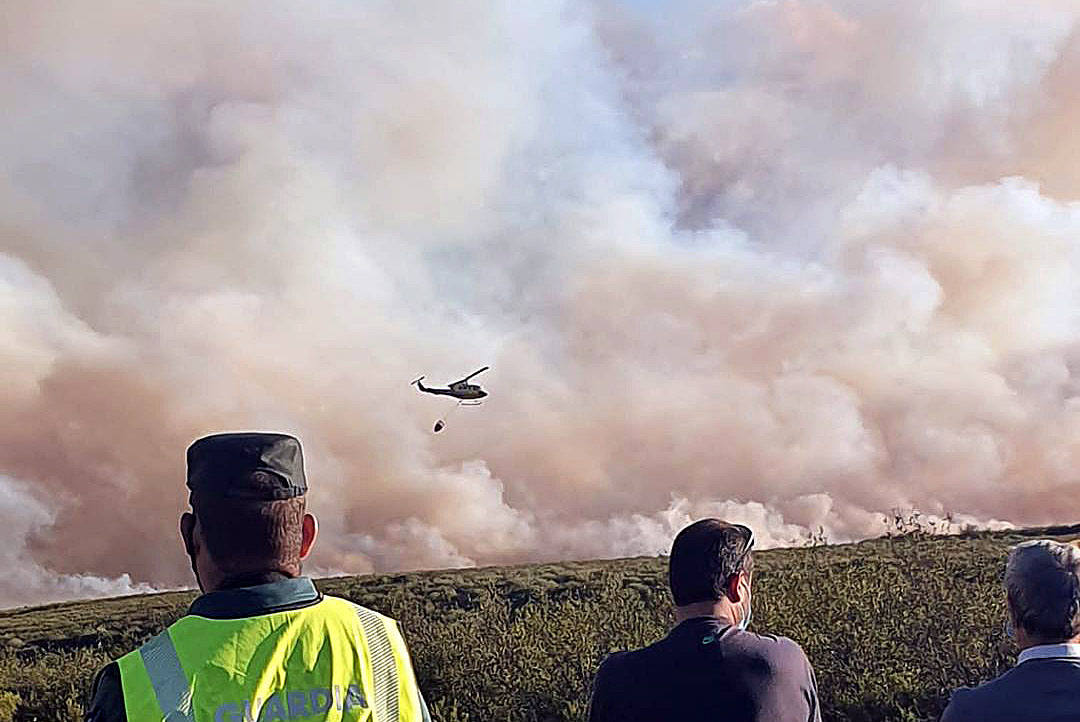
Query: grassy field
[891, 626]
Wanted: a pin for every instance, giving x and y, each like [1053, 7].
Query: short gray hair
[1042, 581]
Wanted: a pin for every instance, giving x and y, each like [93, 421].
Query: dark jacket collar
[701, 626]
[239, 602]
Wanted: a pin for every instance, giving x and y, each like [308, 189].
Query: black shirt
[238, 602]
[707, 670]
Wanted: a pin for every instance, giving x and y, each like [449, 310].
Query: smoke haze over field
[790, 263]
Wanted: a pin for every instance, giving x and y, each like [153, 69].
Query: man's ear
[187, 533]
[732, 589]
[310, 532]
[1010, 609]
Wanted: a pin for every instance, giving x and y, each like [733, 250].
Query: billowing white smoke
[28, 582]
[790, 263]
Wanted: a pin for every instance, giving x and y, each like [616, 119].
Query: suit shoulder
[613, 670]
[785, 643]
[638, 662]
[792, 648]
[617, 663]
[963, 705]
[774, 646]
[976, 703]
[772, 656]
[616, 660]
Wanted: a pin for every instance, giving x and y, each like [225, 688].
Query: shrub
[9, 702]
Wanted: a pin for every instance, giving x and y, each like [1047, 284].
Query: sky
[794, 264]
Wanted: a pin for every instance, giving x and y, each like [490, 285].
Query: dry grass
[891, 626]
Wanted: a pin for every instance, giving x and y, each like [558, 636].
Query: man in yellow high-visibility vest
[261, 644]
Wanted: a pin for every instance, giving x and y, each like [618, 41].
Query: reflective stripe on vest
[171, 686]
[384, 703]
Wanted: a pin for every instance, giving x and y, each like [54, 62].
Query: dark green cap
[250, 465]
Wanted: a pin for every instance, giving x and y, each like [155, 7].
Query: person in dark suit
[1042, 591]
[710, 667]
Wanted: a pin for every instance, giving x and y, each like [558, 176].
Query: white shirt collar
[1069, 652]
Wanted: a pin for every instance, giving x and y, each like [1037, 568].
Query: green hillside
[891, 625]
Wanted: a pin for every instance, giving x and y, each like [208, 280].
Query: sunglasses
[749, 535]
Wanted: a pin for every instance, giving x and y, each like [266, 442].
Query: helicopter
[466, 394]
[461, 390]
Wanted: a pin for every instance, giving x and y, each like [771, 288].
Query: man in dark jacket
[710, 667]
[1042, 591]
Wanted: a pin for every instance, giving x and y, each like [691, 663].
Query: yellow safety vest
[333, 661]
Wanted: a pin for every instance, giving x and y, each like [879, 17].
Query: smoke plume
[794, 263]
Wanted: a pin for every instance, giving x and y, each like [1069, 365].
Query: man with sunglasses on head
[710, 666]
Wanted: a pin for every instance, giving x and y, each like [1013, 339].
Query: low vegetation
[891, 626]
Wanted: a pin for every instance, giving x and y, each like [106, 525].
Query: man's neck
[721, 609]
[1024, 641]
[252, 579]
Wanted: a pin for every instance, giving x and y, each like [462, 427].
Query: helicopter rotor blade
[474, 373]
